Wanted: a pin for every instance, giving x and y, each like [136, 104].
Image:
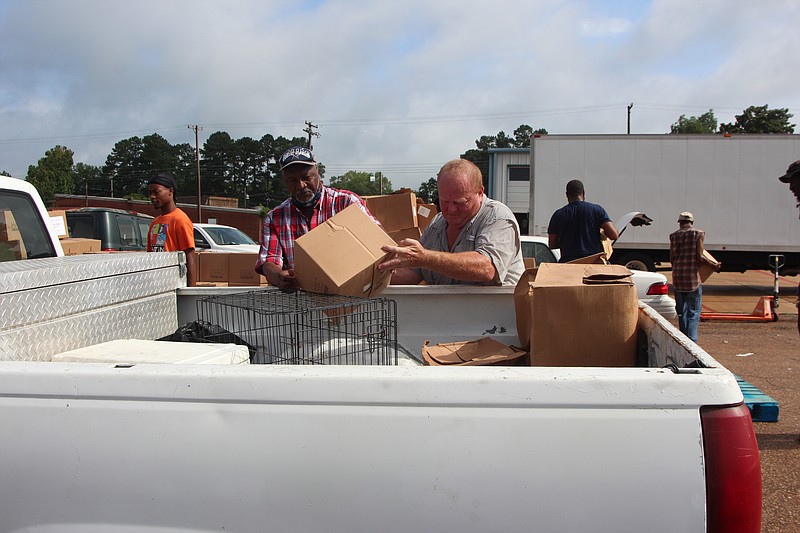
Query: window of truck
[23, 234]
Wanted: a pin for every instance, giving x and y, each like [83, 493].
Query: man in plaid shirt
[309, 205]
[686, 254]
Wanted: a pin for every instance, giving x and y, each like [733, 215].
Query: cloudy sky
[395, 86]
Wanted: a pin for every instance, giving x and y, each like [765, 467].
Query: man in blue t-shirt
[575, 228]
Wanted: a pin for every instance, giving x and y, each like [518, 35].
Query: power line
[422, 119]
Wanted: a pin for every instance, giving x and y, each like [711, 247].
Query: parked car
[219, 238]
[651, 287]
[116, 229]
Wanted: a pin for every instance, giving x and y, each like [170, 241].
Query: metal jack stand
[776, 261]
[765, 310]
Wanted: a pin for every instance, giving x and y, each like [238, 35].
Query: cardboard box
[58, 219]
[9, 230]
[706, 270]
[341, 256]
[583, 315]
[425, 214]
[213, 266]
[78, 246]
[408, 233]
[241, 269]
[485, 351]
[394, 211]
[523, 292]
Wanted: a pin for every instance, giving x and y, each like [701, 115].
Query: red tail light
[658, 288]
[733, 470]
[110, 249]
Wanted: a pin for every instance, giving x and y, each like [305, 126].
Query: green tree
[53, 174]
[218, 163]
[87, 179]
[429, 192]
[760, 119]
[4, 173]
[134, 161]
[362, 183]
[705, 123]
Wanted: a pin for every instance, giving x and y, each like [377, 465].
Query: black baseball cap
[297, 154]
[792, 171]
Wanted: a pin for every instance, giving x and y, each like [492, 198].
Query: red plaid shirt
[684, 254]
[285, 223]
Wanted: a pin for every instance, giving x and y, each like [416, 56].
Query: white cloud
[99, 71]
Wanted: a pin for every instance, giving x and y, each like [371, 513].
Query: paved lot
[768, 356]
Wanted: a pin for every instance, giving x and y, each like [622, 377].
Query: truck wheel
[636, 261]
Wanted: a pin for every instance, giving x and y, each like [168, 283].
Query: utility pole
[310, 130]
[629, 117]
[197, 129]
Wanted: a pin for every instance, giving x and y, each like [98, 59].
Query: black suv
[117, 229]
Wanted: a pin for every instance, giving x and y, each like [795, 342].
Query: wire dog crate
[303, 328]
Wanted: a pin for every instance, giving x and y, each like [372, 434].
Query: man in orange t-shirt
[172, 231]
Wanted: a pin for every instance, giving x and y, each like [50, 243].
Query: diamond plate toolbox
[56, 304]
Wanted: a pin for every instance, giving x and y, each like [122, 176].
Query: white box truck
[729, 182]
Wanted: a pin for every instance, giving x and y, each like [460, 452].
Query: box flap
[565, 274]
[485, 351]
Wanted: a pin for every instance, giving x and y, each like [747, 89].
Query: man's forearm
[465, 266]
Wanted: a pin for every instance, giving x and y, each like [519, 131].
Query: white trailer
[729, 182]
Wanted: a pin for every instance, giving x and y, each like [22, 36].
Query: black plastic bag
[202, 331]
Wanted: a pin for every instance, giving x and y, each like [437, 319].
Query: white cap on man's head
[686, 216]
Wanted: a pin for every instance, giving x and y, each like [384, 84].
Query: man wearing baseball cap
[686, 254]
[792, 177]
[310, 203]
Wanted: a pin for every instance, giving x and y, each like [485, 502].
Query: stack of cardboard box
[402, 214]
[71, 245]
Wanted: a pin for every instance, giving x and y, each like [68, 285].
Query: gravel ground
[768, 356]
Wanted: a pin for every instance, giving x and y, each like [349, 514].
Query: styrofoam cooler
[134, 351]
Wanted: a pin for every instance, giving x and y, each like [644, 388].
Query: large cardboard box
[58, 219]
[394, 211]
[484, 351]
[213, 267]
[78, 246]
[583, 315]
[9, 230]
[341, 256]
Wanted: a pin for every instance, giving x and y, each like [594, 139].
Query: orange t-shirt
[172, 232]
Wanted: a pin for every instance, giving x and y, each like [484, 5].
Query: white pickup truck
[663, 446]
